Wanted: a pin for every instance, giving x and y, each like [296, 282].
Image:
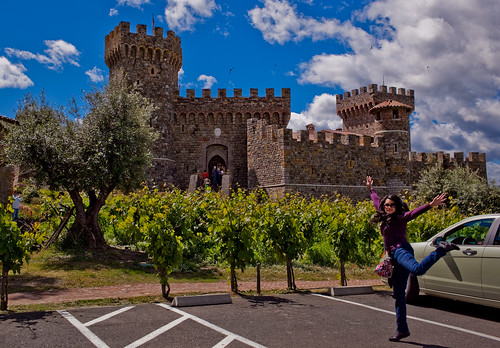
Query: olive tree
[470, 192]
[109, 148]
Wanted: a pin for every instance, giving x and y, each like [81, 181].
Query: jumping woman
[394, 214]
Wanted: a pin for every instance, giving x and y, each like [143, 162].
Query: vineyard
[242, 230]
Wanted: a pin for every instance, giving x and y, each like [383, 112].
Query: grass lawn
[51, 269]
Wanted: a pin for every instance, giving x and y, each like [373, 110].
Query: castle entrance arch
[216, 161]
[216, 155]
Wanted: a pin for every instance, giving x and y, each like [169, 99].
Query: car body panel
[456, 273]
[491, 272]
[471, 274]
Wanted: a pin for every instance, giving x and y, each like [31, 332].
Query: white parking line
[156, 333]
[224, 342]
[83, 329]
[494, 338]
[107, 316]
[213, 327]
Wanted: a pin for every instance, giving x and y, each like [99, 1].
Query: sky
[447, 51]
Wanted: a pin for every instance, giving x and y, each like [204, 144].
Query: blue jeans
[15, 214]
[404, 263]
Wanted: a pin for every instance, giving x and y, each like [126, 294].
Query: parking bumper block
[201, 300]
[350, 290]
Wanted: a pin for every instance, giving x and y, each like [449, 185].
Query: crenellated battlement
[312, 139]
[443, 158]
[372, 89]
[358, 102]
[224, 109]
[121, 44]
[237, 93]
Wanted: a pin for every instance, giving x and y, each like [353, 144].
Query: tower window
[152, 71]
[377, 116]
[395, 114]
[182, 128]
[395, 148]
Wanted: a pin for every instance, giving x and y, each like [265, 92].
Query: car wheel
[412, 289]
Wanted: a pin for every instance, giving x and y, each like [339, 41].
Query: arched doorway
[216, 161]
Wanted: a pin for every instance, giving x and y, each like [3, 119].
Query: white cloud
[113, 12]
[322, 112]
[279, 22]
[182, 15]
[57, 53]
[208, 80]
[12, 75]
[95, 75]
[133, 3]
[493, 170]
[445, 50]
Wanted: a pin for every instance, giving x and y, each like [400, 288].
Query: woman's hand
[438, 200]
[369, 182]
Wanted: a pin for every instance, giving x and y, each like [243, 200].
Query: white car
[471, 274]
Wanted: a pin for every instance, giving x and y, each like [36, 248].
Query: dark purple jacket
[394, 232]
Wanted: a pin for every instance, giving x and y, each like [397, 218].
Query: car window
[497, 237]
[471, 233]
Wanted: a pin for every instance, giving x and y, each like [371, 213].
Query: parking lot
[294, 320]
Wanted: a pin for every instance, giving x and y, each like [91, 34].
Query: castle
[248, 135]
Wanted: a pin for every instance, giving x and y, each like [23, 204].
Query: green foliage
[432, 222]
[15, 248]
[184, 231]
[286, 226]
[88, 157]
[470, 192]
[164, 247]
[231, 224]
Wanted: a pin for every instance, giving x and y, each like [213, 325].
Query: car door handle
[469, 252]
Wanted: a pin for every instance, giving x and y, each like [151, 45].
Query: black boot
[447, 246]
[398, 336]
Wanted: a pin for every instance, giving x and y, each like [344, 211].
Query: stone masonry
[248, 134]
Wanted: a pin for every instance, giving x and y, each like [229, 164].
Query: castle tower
[153, 62]
[384, 115]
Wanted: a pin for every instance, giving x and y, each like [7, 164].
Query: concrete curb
[201, 300]
[350, 290]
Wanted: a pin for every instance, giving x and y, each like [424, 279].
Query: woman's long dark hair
[382, 216]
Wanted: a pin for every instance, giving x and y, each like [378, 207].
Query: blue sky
[446, 50]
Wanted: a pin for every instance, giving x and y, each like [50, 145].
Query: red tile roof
[390, 104]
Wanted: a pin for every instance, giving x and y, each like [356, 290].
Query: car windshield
[471, 233]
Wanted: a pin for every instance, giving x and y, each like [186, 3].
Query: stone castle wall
[206, 126]
[330, 163]
[248, 134]
[8, 174]
[423, 160]
[316, 165]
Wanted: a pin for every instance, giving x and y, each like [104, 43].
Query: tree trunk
[234, 281]
[343, 278]
[165, 290]
[289, 275]
[4, 288]
[86, 226]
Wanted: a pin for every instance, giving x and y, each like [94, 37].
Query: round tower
[384, 115]
[379, 113]
[153, 62]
